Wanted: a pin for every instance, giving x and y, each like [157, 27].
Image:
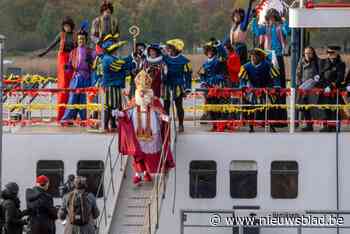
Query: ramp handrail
[154, 204]
[110, 187]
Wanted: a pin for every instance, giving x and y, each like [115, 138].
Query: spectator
[332, 77]
[68, 186]
[308, 75]
[346, 98]
[80, 209]
[41, 208]
[11, 213]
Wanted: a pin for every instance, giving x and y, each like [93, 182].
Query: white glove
[317, 78]
[348, 88]
[327, 90]
[117, 113]
[165, 118]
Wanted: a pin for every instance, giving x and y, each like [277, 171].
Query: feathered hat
[259, 52]
[264, 6]
[109, 40]
[178, 44]
[84, 28]
[115, 46]
[210, 46]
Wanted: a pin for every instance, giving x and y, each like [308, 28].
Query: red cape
[129, 145]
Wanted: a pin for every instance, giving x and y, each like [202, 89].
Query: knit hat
[12, 188]
[42, 180]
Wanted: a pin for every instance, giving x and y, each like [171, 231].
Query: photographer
[11, 213]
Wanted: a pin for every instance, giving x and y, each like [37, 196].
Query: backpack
[78, 211]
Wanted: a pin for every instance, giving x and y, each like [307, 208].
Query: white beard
[144, 101]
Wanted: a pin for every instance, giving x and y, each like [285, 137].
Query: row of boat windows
[203, 178]
[244, 179]
[54, 169]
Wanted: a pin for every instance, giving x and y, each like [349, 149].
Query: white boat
[217, 175]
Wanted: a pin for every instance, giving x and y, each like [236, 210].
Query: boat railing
[31, 100]
[243, 221]
[232, 108]
[107, 185]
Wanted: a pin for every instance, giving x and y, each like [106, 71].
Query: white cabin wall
[22, 152]
[315, 154]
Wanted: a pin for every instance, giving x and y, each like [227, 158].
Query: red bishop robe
[145, 154]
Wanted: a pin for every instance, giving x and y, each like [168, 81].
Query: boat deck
[190, 128]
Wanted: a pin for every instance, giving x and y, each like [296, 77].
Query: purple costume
[80, 62]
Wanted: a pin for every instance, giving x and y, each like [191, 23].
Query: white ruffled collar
[154, 60]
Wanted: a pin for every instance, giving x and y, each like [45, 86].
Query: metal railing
[107, 185]
[219, 218]
[268, 101]
[154, 204]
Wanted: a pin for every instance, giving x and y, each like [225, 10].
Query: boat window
[93, 172]
[54, 169]
[284, 179]
[243, 179]
[203, 179]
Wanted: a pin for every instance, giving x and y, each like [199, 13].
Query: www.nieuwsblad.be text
[303, 220]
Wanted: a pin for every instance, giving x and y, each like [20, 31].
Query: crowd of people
[79, 66]
[78, 211]
[229, 64]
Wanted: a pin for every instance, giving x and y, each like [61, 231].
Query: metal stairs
[128, 217]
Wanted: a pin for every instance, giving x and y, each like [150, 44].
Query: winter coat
[307, 70]
[42, 211]
[332, 73]
[13, 223]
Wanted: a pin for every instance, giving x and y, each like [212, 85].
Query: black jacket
[332, 73]
[42, 211]
[13, 223]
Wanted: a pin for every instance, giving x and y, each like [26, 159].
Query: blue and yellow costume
[261, 75]
[115, 69]
[178, 78]
[213, 73]
[213, 68]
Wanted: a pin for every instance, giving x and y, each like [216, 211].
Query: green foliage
[31, 24]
